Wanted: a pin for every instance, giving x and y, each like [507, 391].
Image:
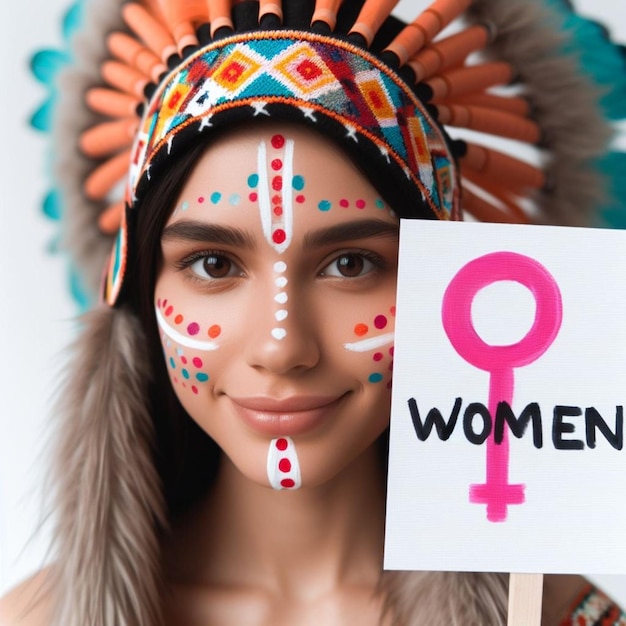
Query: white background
[35, 311]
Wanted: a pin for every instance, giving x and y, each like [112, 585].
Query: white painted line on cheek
[181, 339]
[283, 468]
[370, 344]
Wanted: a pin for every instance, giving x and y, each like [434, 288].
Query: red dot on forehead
[277, 164]
[278, 210]
[281, 443]
[278, 141]
[277, 183]
[360, 204]
[276, 199]
[279, 236]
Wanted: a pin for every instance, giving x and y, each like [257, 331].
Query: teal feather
[45, 66]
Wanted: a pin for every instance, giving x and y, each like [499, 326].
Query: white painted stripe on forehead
[265, 207]
[287, 192]
[183, 340]
[370, 344]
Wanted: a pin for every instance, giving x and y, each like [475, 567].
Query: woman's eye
[349, 266]
[214, 266]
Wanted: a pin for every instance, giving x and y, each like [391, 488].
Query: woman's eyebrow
[190, 230]
[351, 231]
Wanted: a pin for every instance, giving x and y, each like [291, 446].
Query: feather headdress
[423, 106]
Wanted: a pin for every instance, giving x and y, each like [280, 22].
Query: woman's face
[275, 303]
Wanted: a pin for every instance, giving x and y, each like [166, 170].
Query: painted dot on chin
[197, 361]
[376, 377]
[284, 465]
[281, 443]
[287, 483]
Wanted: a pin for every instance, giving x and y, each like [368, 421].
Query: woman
[251, 252]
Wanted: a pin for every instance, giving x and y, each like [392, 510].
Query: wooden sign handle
[525, 596]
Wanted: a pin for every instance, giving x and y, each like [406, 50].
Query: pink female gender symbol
[499, 361]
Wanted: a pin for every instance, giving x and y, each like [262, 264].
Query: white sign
[507, 424]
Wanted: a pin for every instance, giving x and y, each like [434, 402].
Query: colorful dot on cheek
[379, 204]
[183, 360]
[169, 311]
[360, 330]
[201, 377]
[164, 304]
[298, 183]
[201, 200]
[281, 444]
[253, 197]
[279, 236]
[378, 356]
[159, 303]
[278, 141]
[277, 183]
[253, 181]
[391, 351]
[172, 363]
[300, 199]
[343, 203]
[375, 378]
[185, 206]
[380, 322]
[360, 204]
[214, 331]
[197, 361]
[185, 374]
[194, 389]
[284, 465]
[178, 319]
[392, 310]
[179, 351]
[277, 164]
[216, 196]
[234, 200]
[324, 205]
[193, 328]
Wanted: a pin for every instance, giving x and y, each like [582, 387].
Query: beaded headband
[391, 94]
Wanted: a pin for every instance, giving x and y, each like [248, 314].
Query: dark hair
[186, 457]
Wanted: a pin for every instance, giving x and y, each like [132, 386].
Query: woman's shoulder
[30, 603]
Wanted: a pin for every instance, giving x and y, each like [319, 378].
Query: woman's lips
[288, 416]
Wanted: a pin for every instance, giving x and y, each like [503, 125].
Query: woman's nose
[283, 338]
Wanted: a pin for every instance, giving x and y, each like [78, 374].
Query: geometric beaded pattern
[314, 75]
[595, 609]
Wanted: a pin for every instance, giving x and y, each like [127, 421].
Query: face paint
[283, 469]
[276, 205]
[368, 344]
[193, 329]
